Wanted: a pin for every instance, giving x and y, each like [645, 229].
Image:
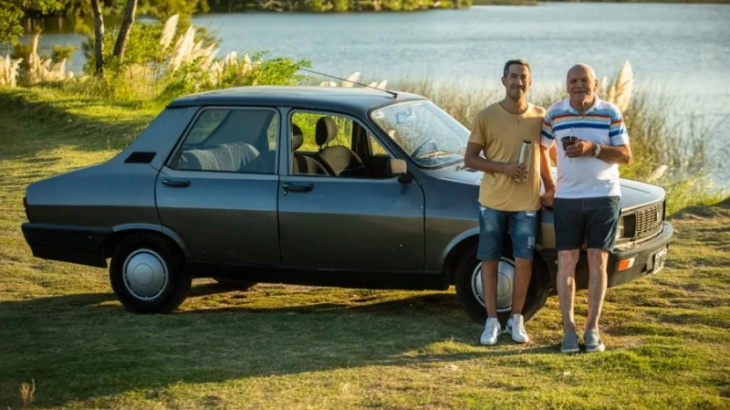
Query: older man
[587, 198]
[509, 195]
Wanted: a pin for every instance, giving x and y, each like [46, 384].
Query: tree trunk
[99, 36]
[123, 36]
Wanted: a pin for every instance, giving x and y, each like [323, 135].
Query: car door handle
[175, 184]
[296, 188]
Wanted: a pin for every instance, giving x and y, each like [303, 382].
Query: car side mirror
[398, 167]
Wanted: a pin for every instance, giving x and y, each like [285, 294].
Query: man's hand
[515, 170]
[548, 198]
[580, 148]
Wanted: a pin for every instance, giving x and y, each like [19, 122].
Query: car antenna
[393, 93]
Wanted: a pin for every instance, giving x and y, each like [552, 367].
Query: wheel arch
[123, 231]
[459, 246]
[455, 250]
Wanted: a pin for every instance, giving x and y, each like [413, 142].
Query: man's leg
[523, 273]
[569, 234]
[565, 284]
[489, 286]
[523, 230]
[491, 230]
[602, 223]
[597, 281]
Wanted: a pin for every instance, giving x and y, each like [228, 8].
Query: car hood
[633, 193]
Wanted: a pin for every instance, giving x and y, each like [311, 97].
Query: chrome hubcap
[505, 284]
[145, 274]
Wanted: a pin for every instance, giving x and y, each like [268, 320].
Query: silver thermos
[524, 157]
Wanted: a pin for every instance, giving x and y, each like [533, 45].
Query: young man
[509, 193]
[587, 202]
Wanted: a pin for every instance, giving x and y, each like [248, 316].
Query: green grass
[278, 346]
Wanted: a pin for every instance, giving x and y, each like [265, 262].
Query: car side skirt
[338, 278]
[84, 246]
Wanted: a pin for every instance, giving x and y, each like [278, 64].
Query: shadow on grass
[69, 343]
[57, 122]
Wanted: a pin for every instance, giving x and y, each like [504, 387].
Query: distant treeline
[319, 6]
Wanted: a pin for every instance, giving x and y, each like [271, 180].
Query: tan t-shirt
[501, 135]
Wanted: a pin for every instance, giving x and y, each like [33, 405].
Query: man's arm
[473, 160]
[554, 154]
[547, 177]
[620, 154]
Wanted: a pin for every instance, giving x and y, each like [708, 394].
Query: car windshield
[425, 132]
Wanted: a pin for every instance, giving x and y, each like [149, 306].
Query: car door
[348, 223]
[219, 188]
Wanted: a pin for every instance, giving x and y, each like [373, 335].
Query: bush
[163, 62]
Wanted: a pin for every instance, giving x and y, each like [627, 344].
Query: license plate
[659, 259]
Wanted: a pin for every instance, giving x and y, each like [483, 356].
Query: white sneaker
[516, 328]
[492, 329]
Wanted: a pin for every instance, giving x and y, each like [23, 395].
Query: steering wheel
[416, 151]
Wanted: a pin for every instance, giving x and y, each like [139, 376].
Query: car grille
[649, 220]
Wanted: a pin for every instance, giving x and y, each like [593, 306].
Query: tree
[98, 37]
[12, 12]
[126, 25]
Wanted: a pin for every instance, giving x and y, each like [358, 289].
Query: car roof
[296, 96]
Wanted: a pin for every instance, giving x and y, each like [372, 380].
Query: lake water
[681, 49]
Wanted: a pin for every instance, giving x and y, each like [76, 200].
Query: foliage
[62, 53]
[320, 6]
[10, 15]
[164, 61]
[12, 11]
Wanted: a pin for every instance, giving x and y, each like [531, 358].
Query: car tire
[235, 284]
[148, 274]
[468, 290]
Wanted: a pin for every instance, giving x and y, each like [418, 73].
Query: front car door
[365, 223]
[218, 189]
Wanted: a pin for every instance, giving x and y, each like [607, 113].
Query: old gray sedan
[318, 186]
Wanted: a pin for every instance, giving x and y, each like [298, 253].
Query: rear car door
[218, 189]
[358, 220]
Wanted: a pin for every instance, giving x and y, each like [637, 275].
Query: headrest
[297, 137]
[326, 130]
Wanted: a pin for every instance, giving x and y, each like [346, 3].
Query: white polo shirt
[585, 177]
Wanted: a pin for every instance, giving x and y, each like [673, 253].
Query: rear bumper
[642, 254]
[84, 246]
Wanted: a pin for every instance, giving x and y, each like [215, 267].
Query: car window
[430, 136]
[241, 140]
[378, 149]
[333, 145]
[307, 122]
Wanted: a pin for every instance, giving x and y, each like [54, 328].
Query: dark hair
[513, 62]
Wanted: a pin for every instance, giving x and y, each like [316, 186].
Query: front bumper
[84, 246]
[643, 255]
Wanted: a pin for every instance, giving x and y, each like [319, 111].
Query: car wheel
[235, 284]
[148, 274]
[468, 282]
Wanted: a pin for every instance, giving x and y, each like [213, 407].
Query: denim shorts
[594, 220]
[493, 224]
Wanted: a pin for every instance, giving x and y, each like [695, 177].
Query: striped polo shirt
[585, 177]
